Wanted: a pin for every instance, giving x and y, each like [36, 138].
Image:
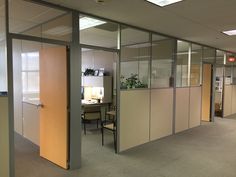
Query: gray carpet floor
[205, 151]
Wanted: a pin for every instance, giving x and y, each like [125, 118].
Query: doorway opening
[99, 100]
[219, 90]
[41, 98]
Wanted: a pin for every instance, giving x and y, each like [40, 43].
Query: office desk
[103, 105]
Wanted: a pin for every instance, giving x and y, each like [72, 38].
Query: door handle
[40, 105]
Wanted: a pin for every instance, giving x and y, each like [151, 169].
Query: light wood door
[53, 113]
[206, 92]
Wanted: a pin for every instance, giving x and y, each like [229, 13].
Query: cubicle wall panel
[182, 109]
[195, 107]
[4, 137]
[134, 118]
[31, 122]
[161, 113]
[227, 100]
[233, 99]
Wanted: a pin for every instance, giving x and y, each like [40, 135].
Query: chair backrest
[92, 112]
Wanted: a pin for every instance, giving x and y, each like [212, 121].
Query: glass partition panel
[162, 62]
[98, 32]
[183, 61]
[135, 58]
[40, 21]
[3, 58]
[234, 75]
[228, 75]
[209, 55]
[220, 57]
[196, 65]
[59, 28]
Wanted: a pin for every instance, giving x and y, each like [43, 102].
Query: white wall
[3, 67]
[4, 138]
[31, 122]
[96, 59]
[18, 119]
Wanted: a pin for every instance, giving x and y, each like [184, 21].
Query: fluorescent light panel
[87, 22]
[163, 3]
[230, 32]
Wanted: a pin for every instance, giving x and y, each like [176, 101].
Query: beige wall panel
[134, 118]
[182, 109]
[195, 106]
[31, 122]
[234, 99]
[161, 113]
[4, 138]
[227, 100]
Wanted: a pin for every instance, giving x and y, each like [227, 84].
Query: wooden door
[206, 92]
[53, 113]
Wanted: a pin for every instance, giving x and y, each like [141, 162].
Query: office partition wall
[188, 86]
[5, 169]
[162, 82]
[148, 73]
[135, 83]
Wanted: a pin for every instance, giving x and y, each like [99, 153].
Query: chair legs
[114, 136]
[84, 122]
[102, 130]
[87, 121]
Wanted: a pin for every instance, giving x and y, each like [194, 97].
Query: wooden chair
[91, 113]
[110, 124]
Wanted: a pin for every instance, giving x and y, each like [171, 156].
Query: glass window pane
[30, 61]
[220, 57]
[3, 60]
[228, 75]
[43, 22]
[234, 75]
[59, 28]
[196, 65]
[135, 58]
[98, 32]
[33, 82]
[182, 70]
[209, 55]
[162, 62]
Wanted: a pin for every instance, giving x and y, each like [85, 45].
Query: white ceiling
[200, 21]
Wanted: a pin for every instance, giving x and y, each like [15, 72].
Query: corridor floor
[205, 151]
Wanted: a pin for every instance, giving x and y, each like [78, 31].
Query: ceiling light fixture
[87, 22]
[230, 32]
[163, 3]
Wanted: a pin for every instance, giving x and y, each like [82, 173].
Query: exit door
[53, 111]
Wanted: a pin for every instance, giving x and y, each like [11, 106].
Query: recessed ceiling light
[230, 32]
[163, 3]
[87, 22]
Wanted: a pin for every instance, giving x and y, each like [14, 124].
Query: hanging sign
[231, 59]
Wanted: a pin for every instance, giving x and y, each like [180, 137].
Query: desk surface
[93, 103]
